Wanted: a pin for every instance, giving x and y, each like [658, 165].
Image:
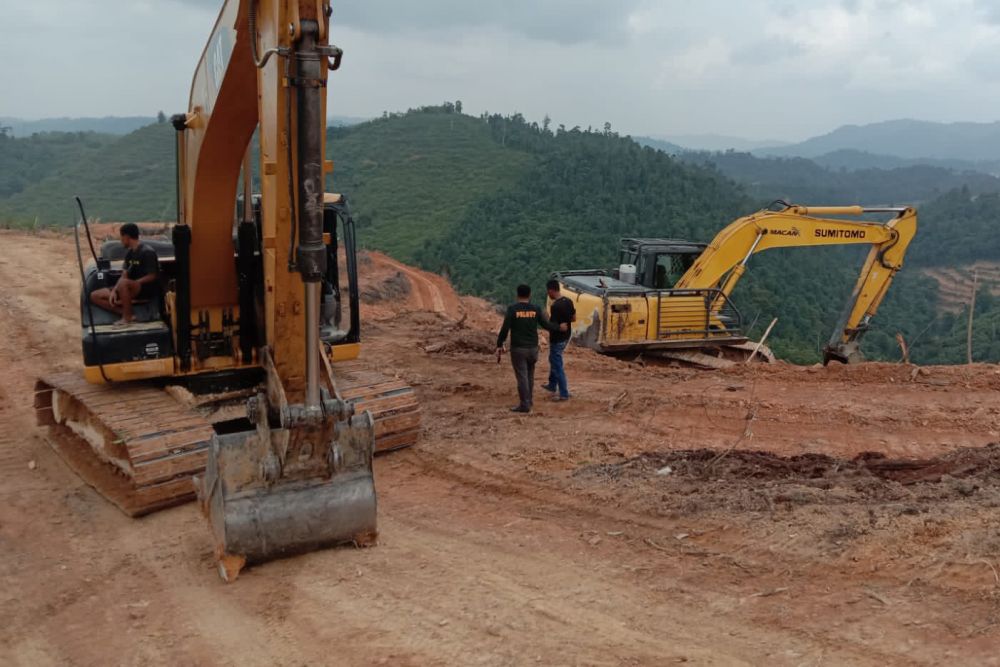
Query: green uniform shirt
[522, 322]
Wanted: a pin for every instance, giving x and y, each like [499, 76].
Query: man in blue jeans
[562, 313]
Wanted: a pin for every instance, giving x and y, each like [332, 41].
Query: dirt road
[429, 292]
[629, 526]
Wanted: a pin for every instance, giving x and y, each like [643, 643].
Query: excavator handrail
[711, 308]
[841, 210]
[83, 280]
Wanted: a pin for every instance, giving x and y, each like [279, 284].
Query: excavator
[670, 298]
[240, 383]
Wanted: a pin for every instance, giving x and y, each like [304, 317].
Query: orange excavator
[239, 380]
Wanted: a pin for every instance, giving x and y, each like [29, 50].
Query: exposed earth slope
[662, 516]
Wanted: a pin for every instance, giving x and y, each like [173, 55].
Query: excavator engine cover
[279, 492]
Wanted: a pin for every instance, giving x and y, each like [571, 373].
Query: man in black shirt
[562, 313]
[522, 322]
[138, 280]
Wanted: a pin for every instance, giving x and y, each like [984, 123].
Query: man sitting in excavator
[140, 270]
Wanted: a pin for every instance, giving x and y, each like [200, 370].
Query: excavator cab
[659, 263]
[148, 339]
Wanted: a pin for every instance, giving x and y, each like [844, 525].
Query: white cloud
[784, 69]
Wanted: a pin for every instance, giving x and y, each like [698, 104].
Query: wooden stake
[756, 348]
[903, 347]
[972, 310]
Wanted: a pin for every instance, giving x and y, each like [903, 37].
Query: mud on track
[556, 538]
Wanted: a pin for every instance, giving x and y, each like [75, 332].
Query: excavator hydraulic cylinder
[311, 253]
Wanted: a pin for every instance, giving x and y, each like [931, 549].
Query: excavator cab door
[340, 322]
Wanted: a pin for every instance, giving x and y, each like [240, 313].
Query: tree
[546, 122]
[458, 106]
[161, 117]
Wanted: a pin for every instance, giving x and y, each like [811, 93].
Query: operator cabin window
[669, 269]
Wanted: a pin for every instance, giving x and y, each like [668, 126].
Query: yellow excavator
[239, 381]
[671, 298]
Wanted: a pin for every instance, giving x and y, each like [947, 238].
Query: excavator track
[139, 445]
[717, 357]
[392, 402]
[134, 443]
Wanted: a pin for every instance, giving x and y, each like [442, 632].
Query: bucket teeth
[230, 566]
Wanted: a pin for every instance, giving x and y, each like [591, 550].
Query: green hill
[27, 161]
[131, 178]
[118, 125]
[586, 190]
[494, 201]
[959, 228]
[411, 177]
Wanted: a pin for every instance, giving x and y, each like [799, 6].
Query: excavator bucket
[273, 493]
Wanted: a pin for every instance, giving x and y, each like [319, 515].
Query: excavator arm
[724, 261]
[265, 66]
[303, 478]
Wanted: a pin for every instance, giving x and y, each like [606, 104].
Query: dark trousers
[523, 359]
[557, 373]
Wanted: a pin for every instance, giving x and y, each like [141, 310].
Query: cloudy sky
[783, 69]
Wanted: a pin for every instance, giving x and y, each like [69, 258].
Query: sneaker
[122, 324]
[549, 388]
[561, 398]
[520, 409]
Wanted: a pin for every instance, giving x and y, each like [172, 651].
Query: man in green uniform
[522, 322]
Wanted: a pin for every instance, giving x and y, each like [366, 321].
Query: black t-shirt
[562, 311]
[141, 261]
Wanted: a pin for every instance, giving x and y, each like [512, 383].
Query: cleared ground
[662, 516]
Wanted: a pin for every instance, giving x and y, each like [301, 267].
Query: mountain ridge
[115, 125]
[904, 138]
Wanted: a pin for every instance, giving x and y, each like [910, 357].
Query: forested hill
[128, 178]
[496, 200]
[586, 190]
